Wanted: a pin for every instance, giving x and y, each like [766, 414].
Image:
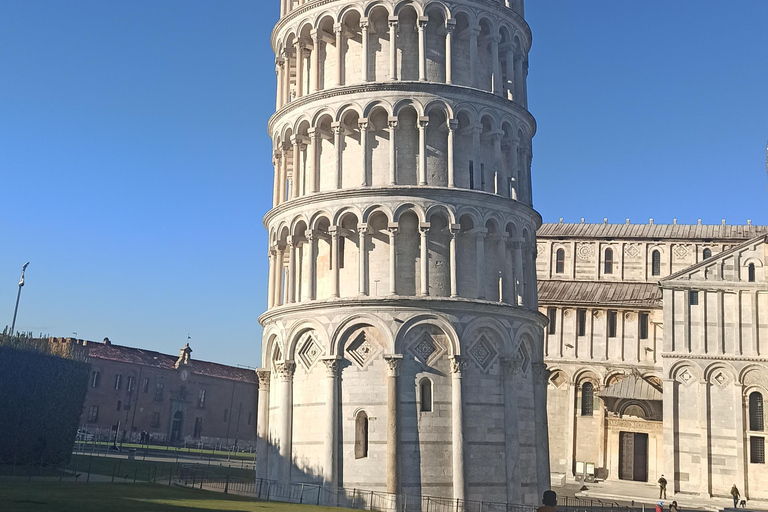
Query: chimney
[107, 342]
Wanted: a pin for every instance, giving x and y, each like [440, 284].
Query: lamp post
[18, 296]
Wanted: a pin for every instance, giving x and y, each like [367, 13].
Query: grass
[98, 497]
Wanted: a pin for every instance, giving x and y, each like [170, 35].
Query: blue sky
[135, 166]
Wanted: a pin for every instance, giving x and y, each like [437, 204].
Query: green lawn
[100, 497]
[158, 449]
[144, 470]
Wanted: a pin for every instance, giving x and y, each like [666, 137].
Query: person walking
[662, 487]
[736, 495]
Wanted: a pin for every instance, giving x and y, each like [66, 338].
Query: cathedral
[403, 347]
[657, 342]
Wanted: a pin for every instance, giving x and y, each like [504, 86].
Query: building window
[609, 261]
[226, 415]
[587, 399]
[361, 435]
[95, 378]
[93, 414]
[159, 392]
[552, 313]
[751, 272]
[425, 392]
[560, 261]
[643, 319]
[656, 263]
[757, 450]
[145, 385]
[707, 253]
[612, 320]
[118, 381]
[756, 412]
[201, 399]
[129, 383]
[155, 420]
[693, 298]
[198, 427]
[581, 322]
[119, 405]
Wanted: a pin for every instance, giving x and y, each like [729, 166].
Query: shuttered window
[756, 411]
[560, 261]
[587, 399]
[361, 435]
[656, 263]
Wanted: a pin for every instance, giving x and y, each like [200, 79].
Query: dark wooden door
[640, 470]
[626, 455]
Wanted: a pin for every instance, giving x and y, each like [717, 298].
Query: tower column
[312, 277]
[450, 26]
[393, 432]
[330, 448]
[271, 286]
[300, 68]
[454, 230]
[476, 130]
[540, 379]
[279, 63]
[296, 166]
[496, 65]
[364, 25]
[335, 261]
[510, 368]
[480, 262]
[458, 366]
[337, 134]
[286, 77]
[280, 269]
[453, 125]
[392, 260]
[312, 160]
[473, 33]
[498, 169]
[509, 55]
[339, 30]
[423, 122]
[285, 372]
[276, 161]
[519, 277]
[291, 270]
[392, 151]
[362, 260]
[262, 424]
[363, 125]
[314, 73]
[519, 78]
[422, 23]
[392, 47]
[424, 246]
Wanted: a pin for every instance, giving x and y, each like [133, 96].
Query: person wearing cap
[550, 502]
[662, 487]
[660, 506]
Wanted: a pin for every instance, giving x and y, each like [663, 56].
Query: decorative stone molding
[393, 364]
[333, 365]
[458, 365]
[541, 373]
[511, 366]
[264, 377]
[651, 427]
[285, 370]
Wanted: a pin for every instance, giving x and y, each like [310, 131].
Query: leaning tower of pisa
[402, 347]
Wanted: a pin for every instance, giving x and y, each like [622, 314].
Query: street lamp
[18, 296]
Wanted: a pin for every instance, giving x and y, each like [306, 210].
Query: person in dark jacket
[550, 502]
[662, 487]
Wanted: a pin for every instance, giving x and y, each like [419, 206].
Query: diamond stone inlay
[426, 349]
[310, 352]
[483, 353]
[361, 351]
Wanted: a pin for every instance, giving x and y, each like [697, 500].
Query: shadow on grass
[98, 497]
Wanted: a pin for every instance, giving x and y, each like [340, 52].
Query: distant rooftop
[653, 231]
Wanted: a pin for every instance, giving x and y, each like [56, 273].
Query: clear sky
[135, 166]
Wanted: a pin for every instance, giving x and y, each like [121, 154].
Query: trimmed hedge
[41, 398]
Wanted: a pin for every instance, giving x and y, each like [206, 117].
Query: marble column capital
[450, 25]
[511, 366]
[265, 376]
[285, 370]
[453, 125]
[393, 364]
[541, 373]
[458, 365]
[333, 365]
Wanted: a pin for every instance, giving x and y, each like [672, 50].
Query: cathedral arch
[355, 322]
[413, 323]
[406, 103]
[376, 4]
[754, 375]
[318, 217]
[469, 217]
[635, 408]
[475, 326]
[559, 377]
[370, 108]
[409, 207]
[714, 370]
[679, 369]
[297, 332]
[583, 375]
[376, 209]
[442, 210]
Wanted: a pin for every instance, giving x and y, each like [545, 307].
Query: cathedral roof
[653, 231]
[632, 387]
[600, 293]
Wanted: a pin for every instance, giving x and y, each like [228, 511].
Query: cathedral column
[392, 260]
[364, 26]
[393, 433]
[276, 161]
[454, 231]
[473, 33]
[285, 416]
[453, 125]
[314, 73]
[271, 285]
[480, 261]
[540, 380]
[458, 367]
[450, 26]
[291, 270]
[300, 69]
[519, 277]
[330, 447]
[337, 134]
[509, 55]
[496, 65]
[262, 425]
[393, 48]
[339, 30]
[335, 261]
[312, 277]
[570, 428]
[362, 260]
[422, 25]
[424, 228]
[510, 368]
[392, 151]
[423, 122]
[314, 167]
[363, 125]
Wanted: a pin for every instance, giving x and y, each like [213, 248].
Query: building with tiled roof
[655, 337]
[174, 399]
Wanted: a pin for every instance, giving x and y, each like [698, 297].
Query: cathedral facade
[657, 343]
[403, 345]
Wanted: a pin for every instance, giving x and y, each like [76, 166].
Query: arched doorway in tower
[177, 427]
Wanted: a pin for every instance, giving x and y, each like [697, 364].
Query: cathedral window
[608, 261]
[118, 381]
[361, 435]
[425, 393]
[756, 411]
[581, 319]
[560, 261]
[656, 263]
[95, 378]
[757, 450]
[643, 319]
[587, 399]
[707, 253]
[751, 272]
[612, 321]
[552, 314]
[693, 298]
[93, 413]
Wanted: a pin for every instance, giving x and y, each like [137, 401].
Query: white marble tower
[402, 347]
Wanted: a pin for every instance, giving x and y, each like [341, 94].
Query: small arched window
[587, 399]
[656, 263]
[560, 262]
[756, 411]
[95, 378]
[751, 272]
[707, 253]
[609, 261]
[361, 435]
[425, 393]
